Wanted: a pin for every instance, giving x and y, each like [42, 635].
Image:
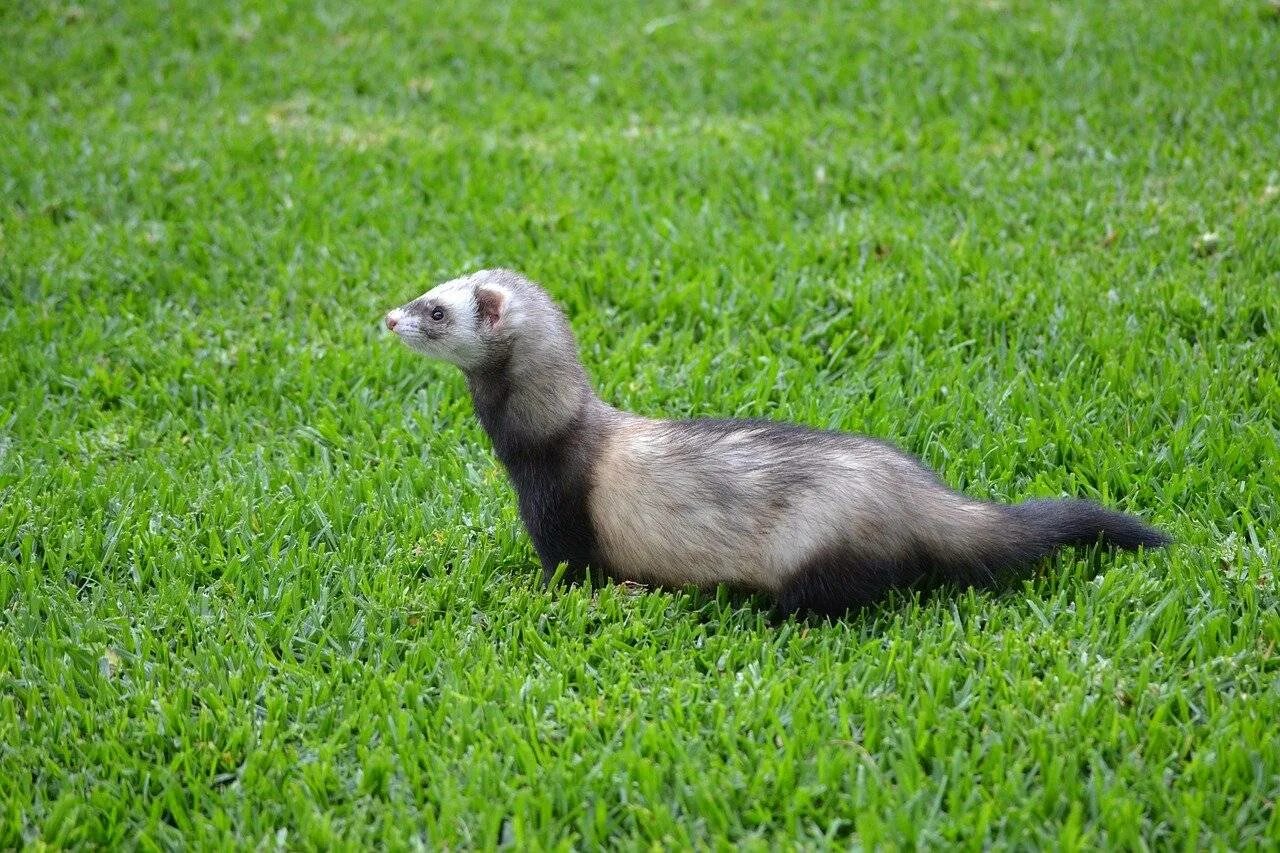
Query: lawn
[262, 582]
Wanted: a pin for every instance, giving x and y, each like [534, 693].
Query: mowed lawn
[262, 582]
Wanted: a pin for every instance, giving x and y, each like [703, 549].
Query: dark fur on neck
[549, 467]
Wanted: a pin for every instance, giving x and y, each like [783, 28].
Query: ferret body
[820, 520]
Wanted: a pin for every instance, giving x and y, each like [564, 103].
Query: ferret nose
[391, 321]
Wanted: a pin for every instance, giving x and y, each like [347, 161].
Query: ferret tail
[963, 542]
[1051, 524]
[1013, 536]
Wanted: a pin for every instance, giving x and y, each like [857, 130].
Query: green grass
[262, 582]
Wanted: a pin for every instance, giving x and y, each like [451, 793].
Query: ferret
[821, 521]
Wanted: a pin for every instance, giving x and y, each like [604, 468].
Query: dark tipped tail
[1051, 524]
[1007, 539]
[964, 542]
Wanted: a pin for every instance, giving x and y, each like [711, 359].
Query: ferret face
[461, 321]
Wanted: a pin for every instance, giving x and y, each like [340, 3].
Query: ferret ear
[491, 305]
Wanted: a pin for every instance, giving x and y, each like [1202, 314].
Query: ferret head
[512, 341]
[468, 322]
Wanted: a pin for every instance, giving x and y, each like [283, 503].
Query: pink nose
[391, 322]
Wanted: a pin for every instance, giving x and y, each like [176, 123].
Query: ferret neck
[524, 411]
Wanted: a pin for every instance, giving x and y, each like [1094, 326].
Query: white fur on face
[459, 336]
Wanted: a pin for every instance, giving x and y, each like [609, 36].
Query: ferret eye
[437, 314]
